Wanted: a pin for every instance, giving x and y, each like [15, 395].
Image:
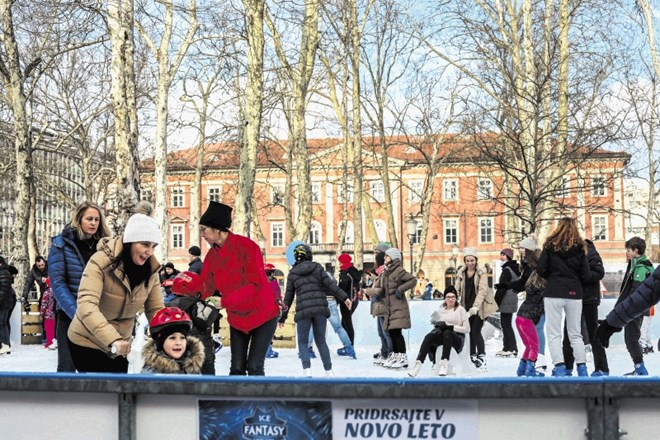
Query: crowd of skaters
[93, 285]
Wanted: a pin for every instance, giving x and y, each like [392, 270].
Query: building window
[485, 189]
[381, 230]
[277, 195]
[214, 194]
[418, 232]
[277, 234]
[415, 188]
[599, 227]
[315, 233]
[177, 197]
[451, 231]
[377, 191]
[316, 192]
[341, 191]
[485, 230]
[450, 190]
[598, 186]
[177, 236]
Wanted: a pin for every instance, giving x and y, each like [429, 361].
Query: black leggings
[447, 338]
[91, 360]
[347, 319]
[398, 342]
[477, 345]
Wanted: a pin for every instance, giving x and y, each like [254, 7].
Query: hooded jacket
[236, 270]
[564, 271]
[395, 278]
[7, 295]
[311, 286]
[637, 271]
[106, 303]
[66, 268]
[510, 273]
[157, 362]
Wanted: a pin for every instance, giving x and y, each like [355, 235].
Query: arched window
[315, 233]
[381, 230]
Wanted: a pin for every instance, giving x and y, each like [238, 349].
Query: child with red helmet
[171, 349]
[188, 294]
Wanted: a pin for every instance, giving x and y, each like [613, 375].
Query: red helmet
[269, 267]
[188, 284]
[169, 316]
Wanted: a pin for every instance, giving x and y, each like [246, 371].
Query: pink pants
[49, 327]
[527, 332]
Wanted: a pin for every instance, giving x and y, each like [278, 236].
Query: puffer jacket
[485, 298]
[311, 286]
[7, 295]
[591, 286]
[394, 278]
[106, 303]
[157, 362]
[638, 302]
[236, 270]
[532, 307]
[66, 267]
[509, 273]
[565, 271]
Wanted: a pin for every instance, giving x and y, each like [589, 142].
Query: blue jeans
[335, 322]
[540, 330]
[318, 324]
[248, 350]
[385, 339]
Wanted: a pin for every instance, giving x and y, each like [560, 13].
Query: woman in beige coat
[478, 299]
[119, 280]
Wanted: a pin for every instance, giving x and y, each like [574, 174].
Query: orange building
[464, 209]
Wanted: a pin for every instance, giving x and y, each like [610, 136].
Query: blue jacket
[66, 267]
[638, 302]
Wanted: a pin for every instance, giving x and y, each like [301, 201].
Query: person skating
[507, 301]
[349, 282]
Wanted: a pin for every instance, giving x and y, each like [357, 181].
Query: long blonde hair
[102, 231]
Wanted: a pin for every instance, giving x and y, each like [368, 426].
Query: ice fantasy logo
[264, 425]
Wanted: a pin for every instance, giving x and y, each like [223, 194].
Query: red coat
[236, 270]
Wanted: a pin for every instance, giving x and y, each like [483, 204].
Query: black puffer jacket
[350, 278]
[311, 285]
[7, 295]
[565, 271]
[532, 307]
[591, 286]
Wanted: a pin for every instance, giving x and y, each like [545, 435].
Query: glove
[26, 307]
[604, 332]
[473, 311]
[399, 295]
[449, 328]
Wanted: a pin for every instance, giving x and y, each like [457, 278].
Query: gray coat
[394, 278]
[510, 301]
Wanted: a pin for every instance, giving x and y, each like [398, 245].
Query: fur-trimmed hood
[157, 362]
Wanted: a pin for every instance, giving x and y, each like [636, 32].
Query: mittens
[473, 311]
[604, 332]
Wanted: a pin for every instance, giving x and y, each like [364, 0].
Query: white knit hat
[140, 227]
[393, 253]
[470, 251]
[528, 243]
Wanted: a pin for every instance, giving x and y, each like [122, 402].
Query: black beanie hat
[166, 331]
[217, 215]
[195, 251]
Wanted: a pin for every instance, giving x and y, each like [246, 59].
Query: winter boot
[442, 371]
[271, 354]
[559, 370]
[307, 372]
[521, 368]
[415, 369]
[582, 370]
[640, 370]
[530, 370]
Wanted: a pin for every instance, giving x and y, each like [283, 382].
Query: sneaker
[271, 354]
[559, 370]
[640, 370]
[600, 373]
[582, 370]
[390, 360]
[415, 369]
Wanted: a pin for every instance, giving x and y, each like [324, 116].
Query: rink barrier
[601, 396]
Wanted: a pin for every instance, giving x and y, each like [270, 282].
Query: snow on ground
[35, 358]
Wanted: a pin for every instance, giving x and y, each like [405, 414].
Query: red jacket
[236, 270]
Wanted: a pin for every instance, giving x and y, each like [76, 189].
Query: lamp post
[411, 225]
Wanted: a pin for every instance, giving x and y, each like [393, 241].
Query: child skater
[529, 314]
[451, 324]
[312, 287]
[188, 295]
[47, 314]
[171, 350]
